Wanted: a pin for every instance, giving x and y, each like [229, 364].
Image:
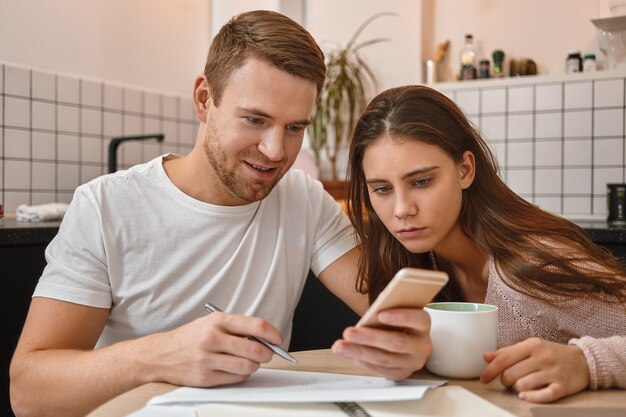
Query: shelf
[610, 24]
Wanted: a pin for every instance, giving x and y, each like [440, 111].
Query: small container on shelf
[589, 63]
[498, 63]
[574, 63]
[483, 68]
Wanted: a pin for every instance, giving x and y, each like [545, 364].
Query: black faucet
[115, 142]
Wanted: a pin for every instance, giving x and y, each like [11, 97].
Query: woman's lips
[411, 232]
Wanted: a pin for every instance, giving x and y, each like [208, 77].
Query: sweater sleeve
[606, 358]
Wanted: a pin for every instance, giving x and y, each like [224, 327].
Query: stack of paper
[276, 393]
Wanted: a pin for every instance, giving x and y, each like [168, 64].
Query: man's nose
[272, 144]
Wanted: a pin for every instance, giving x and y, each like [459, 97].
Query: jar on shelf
[589, 63]
[574, 63]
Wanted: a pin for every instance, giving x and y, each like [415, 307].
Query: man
[141, 251]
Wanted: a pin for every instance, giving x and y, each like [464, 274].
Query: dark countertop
[14, 233]
[602, 232]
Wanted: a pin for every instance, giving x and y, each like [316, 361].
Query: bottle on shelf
[574, 63]
[484, 69]
[468, 59]
[589, 63]
[498, 63]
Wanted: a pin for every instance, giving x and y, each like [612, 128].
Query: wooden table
[325, 361]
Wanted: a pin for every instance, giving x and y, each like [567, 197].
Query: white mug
[461, 333]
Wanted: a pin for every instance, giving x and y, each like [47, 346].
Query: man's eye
[295, 128]
[254, 120]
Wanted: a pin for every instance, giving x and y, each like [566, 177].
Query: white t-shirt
[133, 242]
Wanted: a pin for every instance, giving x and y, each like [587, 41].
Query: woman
[425, 192]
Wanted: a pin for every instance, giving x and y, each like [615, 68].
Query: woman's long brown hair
[536, 253]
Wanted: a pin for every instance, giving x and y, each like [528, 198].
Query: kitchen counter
[602, 232]
[14, 233]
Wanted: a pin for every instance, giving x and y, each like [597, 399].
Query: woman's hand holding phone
[392, 338]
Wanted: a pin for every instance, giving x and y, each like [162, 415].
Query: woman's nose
[405, 207]
[272, 145]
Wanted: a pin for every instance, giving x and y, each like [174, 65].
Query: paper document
[449, 401]
[277, 386]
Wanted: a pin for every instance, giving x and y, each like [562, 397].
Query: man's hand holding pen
[212, 350]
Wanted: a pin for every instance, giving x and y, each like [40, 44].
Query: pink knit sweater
[597, 328]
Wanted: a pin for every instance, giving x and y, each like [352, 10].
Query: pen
[274, 348]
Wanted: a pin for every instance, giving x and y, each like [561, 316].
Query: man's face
[254, 135]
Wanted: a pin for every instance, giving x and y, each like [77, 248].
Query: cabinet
[21, 263]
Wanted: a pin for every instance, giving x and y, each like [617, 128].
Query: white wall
[395, 62]
[544, 30]
[157, 45]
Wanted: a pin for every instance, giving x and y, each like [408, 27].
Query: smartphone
[410, 287]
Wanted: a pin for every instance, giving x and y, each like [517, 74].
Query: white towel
[41, 212]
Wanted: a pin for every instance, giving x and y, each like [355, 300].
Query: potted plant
[342, 100]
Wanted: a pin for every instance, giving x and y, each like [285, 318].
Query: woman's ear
[467, 170]
[201, 97]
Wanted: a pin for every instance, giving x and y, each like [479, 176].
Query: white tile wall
[520, 126]
[608, 152]
[576, 205]
[608, 93]
[67, 118]
[44, 116]
[577, 181]
[493, 101]
[469, 101]
[608, 122]
[16, 112]
[577, 124]
[549, 97]
[16, 143]
[44, 176]
[557, 142]
[91, 93]
[493, 127]
[68, 90]
[548, 181]
[17, 81]
[549, 125]
[578, 95]
[548, 153]
[520, 154]
[520, 99]
[113, 97]
[55, 130]
[521, 181]
[44, 146]
[44, 86]
[577, 152]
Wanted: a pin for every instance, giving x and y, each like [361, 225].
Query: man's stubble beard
[230, 181]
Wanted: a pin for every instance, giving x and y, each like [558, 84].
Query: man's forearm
[72, 382]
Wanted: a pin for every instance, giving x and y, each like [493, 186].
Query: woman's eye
[383, 189]
[422, 182]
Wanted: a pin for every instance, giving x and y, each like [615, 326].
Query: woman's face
[416, 190]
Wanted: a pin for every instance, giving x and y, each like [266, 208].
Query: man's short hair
[268, 36]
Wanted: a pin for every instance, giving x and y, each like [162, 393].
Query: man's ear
[467, 170]
[201, 97]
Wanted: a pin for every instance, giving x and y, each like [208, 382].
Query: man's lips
[261, 167]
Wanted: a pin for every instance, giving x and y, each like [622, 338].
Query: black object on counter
[616, 202]
[115, 142]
